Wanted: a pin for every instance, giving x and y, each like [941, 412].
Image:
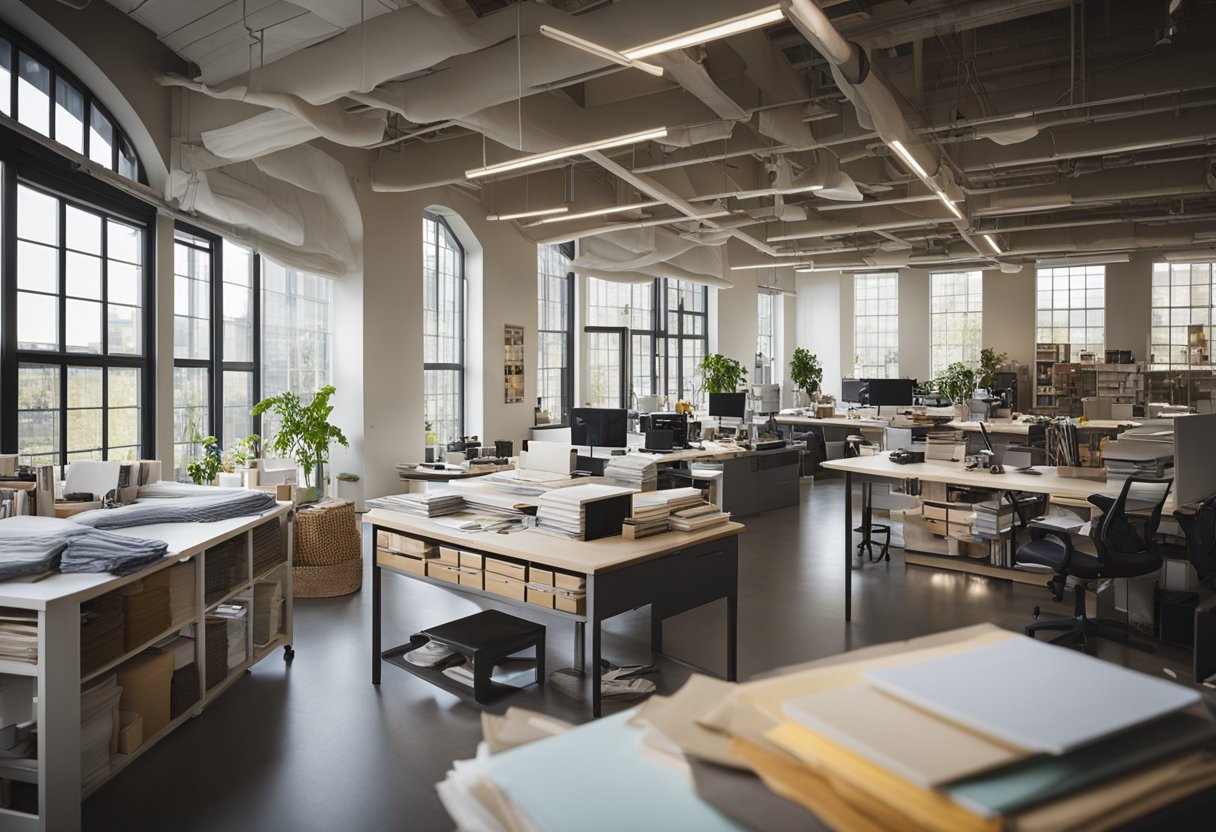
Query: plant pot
[351, 490]
[306, 494]
[226, 480]
[961, 412]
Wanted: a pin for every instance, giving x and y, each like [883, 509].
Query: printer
[677, 423]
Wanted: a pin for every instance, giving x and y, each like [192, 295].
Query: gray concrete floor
[314, 746]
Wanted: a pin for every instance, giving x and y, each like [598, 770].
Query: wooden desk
[672, 573]
[447, 474]
[1023, 428]
[881, 469]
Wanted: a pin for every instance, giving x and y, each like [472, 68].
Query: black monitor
[852, 390]
[728, 405]
[599, 427]
[888, 392]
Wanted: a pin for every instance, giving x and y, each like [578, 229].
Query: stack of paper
[698, 517]
[1138, 457]
[98, 718]
[564, 510]
[19, 636]
[991, 518]
[649, 517]
[632, 471]
[267, 608]
[424, 504]
[678, 499]
[181, 592]
[953, 731]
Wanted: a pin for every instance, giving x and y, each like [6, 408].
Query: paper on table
[551, 457]
[89, 476]
[1005, 689]
[921, 748]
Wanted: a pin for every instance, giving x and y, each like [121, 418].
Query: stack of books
[679, 499]
[991, 519]
[425, 504]
[632, 471]
[698, 517]
[584, 512]
[649, 517]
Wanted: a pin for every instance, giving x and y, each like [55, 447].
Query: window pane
[124, 330]
[34, 95]
[85, 412]
[127, 165]
[125, 242]
[83, 276]
[956, 318]
[37, 267]
[38, 413]
[553, 374]
[69, 116]
[37, 322]
[83, 230]
[83, 326]
[238, 401]
[238, 303]
[1077, 309]
[876, 325]
[192, 302]
[101, 139]
[190, 415]
[6, 77]
[37, 216]
[443, 306]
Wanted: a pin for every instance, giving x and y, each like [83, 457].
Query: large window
[956, 309]
[876, 326]
[768, 308]
[1181, 331]
[38, 93]
[443, 323]
[683, 339]
[1070, 308]
[77, 328]
[555, 327]
[193, 276]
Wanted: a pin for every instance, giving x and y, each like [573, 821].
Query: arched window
[443, 325]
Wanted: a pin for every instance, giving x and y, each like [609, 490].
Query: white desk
[999, 426]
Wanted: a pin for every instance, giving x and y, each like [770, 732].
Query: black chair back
[1199, 527]
[1118, 533]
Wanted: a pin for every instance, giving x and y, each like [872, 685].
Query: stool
[486, 638]
[328, 551]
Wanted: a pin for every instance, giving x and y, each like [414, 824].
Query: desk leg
[580, 633]
[376, 662]
[656, 631]
[732, 637]
[591, 670]
[848, 546]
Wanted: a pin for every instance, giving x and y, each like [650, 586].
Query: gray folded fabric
[97, 551]
[21, 556]
[208, 506]
[31, 545]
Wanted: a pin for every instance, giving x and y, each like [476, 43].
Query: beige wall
[1009, 314]
[1129, 298]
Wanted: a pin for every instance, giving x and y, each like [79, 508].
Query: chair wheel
[288, 654]
[1035, 614]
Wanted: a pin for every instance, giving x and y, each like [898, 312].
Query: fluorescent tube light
[714, 31]
[771, 265]
[562, 153]
[540, 212]
[612, 209]
[599, 51]
[908, 158]
[1081, 260]
[949, 203]
[992, 242]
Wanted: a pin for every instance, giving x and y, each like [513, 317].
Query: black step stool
[486, 638]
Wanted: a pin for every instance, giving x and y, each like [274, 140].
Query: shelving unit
[1046, 356]
[56, 774]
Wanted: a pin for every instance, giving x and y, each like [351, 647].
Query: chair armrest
[1065, 538]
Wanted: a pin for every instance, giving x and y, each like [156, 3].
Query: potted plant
[431, 438]
[207, 467]
[720, 374]
[990, 364]
[806, 372]
[957, 384]
[305, 434]
[236, 460]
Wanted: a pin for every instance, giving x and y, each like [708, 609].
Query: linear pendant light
[992, 243]
[723, 29]
[562, 153]
[521, 215]
[908, 159]
[598, 50]
[612, 209]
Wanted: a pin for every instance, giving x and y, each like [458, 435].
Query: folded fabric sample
[214, 505]
[78, 548]
[28, 555]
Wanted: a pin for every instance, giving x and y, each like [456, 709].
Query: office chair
[1126, 549]
[1199, 530]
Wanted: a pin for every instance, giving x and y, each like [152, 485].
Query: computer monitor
[890, 391]
[599, 427]
[852, 390]
[728, 405]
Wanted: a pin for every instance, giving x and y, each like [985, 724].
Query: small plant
[806, 372]
[721, 374]
[207, 467]
[346, 476]
[431, 438]
[957, 383]
[990, 363]
[305, 433]
[240, 455]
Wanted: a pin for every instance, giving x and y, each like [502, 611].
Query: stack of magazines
[425, 504]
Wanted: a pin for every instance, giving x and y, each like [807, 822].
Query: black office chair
[1126, 549]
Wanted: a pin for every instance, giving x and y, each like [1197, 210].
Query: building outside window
[876, 326]
[1181, 331]
[443, 310]
[956, 313]
[1070, 308]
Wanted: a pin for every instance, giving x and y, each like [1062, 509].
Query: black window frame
[567, 393]
[461, 317]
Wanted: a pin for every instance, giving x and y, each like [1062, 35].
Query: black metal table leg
[376, 660]
[848, 546]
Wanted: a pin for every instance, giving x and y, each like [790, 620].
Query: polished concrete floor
[314, 746]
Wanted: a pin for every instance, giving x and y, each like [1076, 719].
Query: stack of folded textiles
[183, 686]
[101, 632]
[269, 546]
[98, 728]
[181, 592]
[975, 729]
[19, 636]
[146, 609]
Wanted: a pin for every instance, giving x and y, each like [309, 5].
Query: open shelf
[267, 573]
[493, 596]
[15, 668]
[113, 663]
[18, 821]
[975, 567]
[259, 653]
[396, 656]
[235, 591]
[24, 770]
[120, 761]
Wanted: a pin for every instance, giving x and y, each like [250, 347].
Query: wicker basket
[328, 551]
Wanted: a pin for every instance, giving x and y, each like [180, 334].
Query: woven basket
[327, 581]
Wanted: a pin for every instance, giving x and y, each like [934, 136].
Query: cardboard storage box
[570, 600]
[540, 587]
[518, 571]
[578, 583]
[130, 732]
[471, 560]
[471, 577]
[449, 555]
[505, 585]
[400, 563]
[402, 545]
[443, 572]
[145, 688]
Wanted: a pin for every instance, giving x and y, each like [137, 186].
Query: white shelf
[130, 654]
[15, 668]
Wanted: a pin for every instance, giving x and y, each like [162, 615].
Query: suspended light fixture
[598, 50]
[521, 215]
[991, 242]
[612, 209]
[564, 152]
[723, 29]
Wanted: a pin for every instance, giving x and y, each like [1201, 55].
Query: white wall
[817, 327]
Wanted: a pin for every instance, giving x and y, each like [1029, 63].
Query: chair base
[1080, 629]
[865, 549]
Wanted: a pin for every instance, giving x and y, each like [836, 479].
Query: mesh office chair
[1126, 549]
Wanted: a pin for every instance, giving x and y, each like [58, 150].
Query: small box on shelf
[443, 572]
[400, 563]
[505, 585]
[510, 569]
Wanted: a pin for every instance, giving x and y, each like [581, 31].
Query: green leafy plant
[240, 455]
[957, 383]
[430, 436]
[805, 371]
[990, 363]
[207, 467]
[305, 432]
[721, 374]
